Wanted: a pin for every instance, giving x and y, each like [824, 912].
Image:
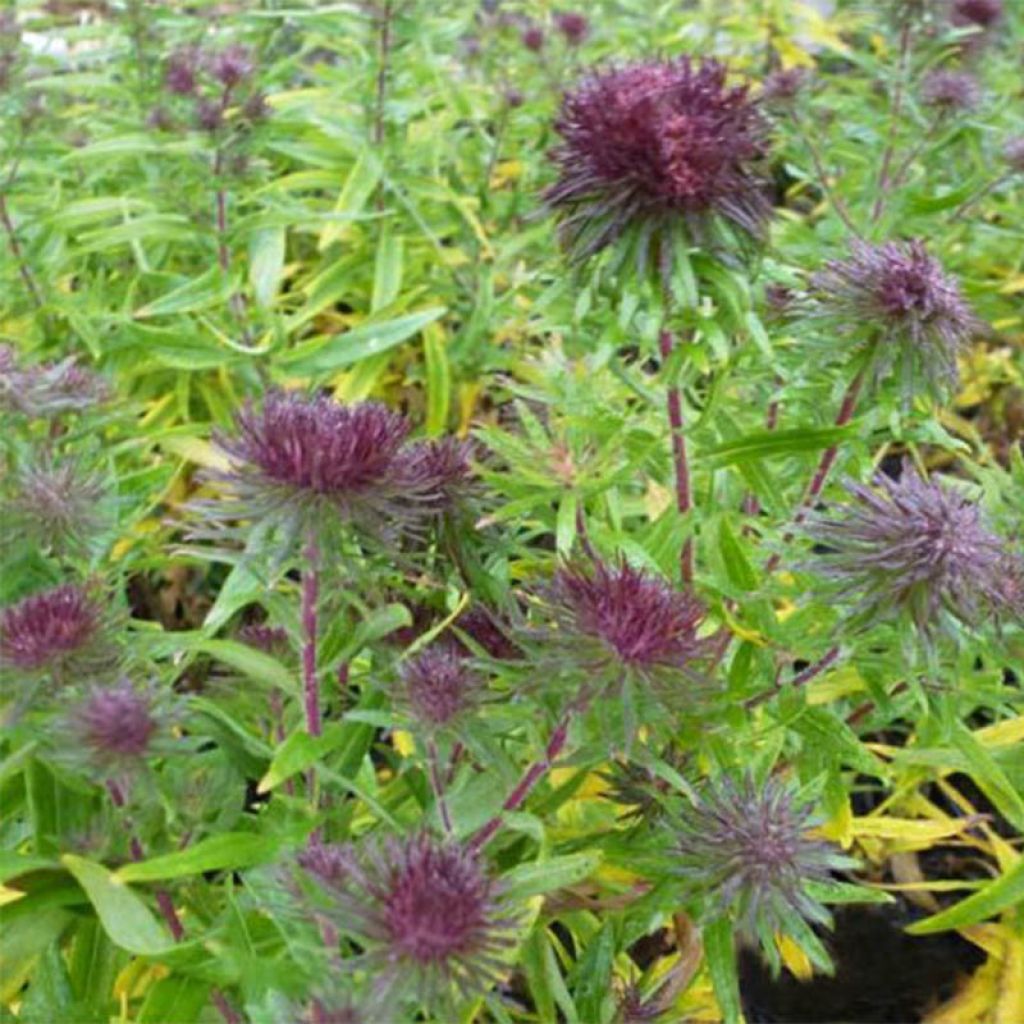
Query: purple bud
[49, 389]
[746, 846]
[329, 863]
[902, 296]
[269, 639]
[117, 722]
[910, 546]
[514, 99]
[160, 119]
[232, 65]
[1013, 153]
[255, 107]
[46, 629]
[209, 115]
[981, 13]
[533, 38]
[438, 686]
[950, 91]
[180, 72]
[784, 85]
[573, 25]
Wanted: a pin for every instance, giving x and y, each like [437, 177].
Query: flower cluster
[913, 547]
[950, 92]
[47, 389]
[907, 303]
[650, 145]
[302, 462]
[428, 918]
[618, 624]
[55, 632]
[744, 847]
[438, 686]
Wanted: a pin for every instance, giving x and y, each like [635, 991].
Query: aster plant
[910, 547]
[742, 850]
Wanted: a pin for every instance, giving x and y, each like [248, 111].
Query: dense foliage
[509, 513]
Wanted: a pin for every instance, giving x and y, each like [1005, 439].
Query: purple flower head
[573, 25]
[180, 71]
[950, 91]
[424, 911]
[484, 628]
[232, 65]
[744, 847]
[983, 14]
[906, 301]
[514, 98]
[49, 389]
[209, 115]
[783, 86]
[533, 38]
[640, 620]
[911, 547]
[1013, 153]
[49, 631]
[321, 1012]
[330, 864]
[117, 723]
[255, 107]
[160, 119]
[445, 465]
[438, 686]
[299, 461]
[268, 639]
[653, 143]
[53, 505]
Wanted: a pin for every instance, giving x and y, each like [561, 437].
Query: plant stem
[884, 180]
[995, 183]
[166, 904]
[825, 464]
[438, 786]
[18, 254]
[533, 775]
[675, 422]
[819, 169]
[310, 594]
[800, 679]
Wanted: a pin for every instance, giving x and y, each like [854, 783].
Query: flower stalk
[684, 500]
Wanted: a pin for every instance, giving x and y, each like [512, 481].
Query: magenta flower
[950, 91]
[438, 686]
[533, 38]
[117, 722]
[426, 915]
[180, 71]
[649, 145]
[744, 848]
[303, 462]
[231, 65]
[54, 631]
[902, 298]
[911, 547]
[268, 639]
[573, 25]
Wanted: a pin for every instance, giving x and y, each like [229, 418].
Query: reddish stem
[800, 679]
[825, 464]
[518, 795]
[18, 254]
[310, 594]
[438, 785]
[675, 422]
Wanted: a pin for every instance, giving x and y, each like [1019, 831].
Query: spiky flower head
[783, 86]
[983, 14]
[181, 71]
[54, 505]
[533, 38]
[1013, 153]
[438, 686]
[744, 847]
[649, 146]
[901, 296]
[303, 462]
[47, 389]
[950, 92]
[54, 632]
[232, 65]
[573, 25]
[910, 547]
[118, 723]
[430, 920]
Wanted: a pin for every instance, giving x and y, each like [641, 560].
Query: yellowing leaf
[973, 1003]
[403, 742]
[506, 172]
[1010, 985]
[794, 958]
[908, 833]
[197, 451]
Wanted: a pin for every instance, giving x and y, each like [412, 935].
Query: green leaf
[370, 338]
[266, 261]
[387, 270]
[556, 873]
[438, 379]
[358, 188]
[299, 751]
[125, 918]
[721, 960]
[1005, 891]
[14, 864]
[845, 892]
[766, 444]
[210, 289]
[175, 1000]
[250, 662]
[228, 851]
